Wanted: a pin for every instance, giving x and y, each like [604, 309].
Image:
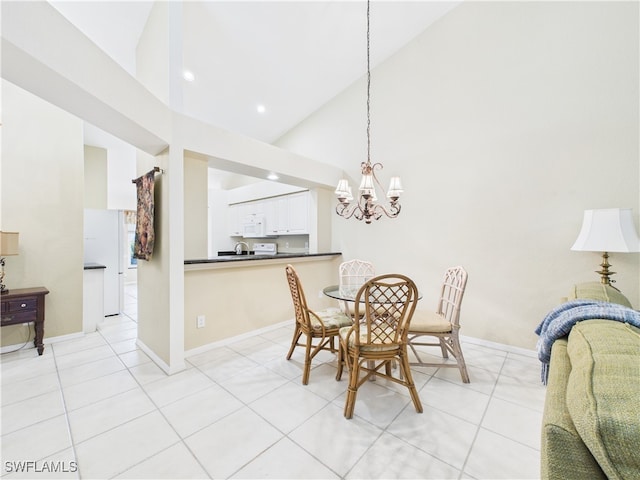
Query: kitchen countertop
[93, 266]
[244, 258]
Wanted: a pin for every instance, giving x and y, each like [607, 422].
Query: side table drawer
[26, 304]
[9, 318]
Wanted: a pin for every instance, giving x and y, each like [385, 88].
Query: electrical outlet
[200, 321]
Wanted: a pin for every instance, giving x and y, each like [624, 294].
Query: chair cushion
[426, 321]
[347, 334]
[599, 291]
[603, 392]
[332, 319]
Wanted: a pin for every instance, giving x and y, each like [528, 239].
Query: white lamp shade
[8, 243]
[343, 188]
[395, 187]
[366, 184]
[394, 184]
[349, 193]
[607, 230]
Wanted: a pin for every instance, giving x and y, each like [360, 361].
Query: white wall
[505, 120]
[121, 170]
[259, 190]
[95, 177]
[219, 238]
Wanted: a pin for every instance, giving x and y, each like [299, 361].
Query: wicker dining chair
[384, 306]
[322, 325]
[353, 274]
[443, 324]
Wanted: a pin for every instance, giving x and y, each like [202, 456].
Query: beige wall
[238, 299]
[195, 208]
[505, 121]
[42, 199]
[323, 209]
[95, 177]
[160, 281]
[153, 283]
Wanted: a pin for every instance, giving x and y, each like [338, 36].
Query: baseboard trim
[46, 341]
[242, 336]
[499, 346]
[168, 369]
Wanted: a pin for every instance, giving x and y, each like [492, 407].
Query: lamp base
[604, 272]
[3, 289]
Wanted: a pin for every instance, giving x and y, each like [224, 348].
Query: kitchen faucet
[238, 247]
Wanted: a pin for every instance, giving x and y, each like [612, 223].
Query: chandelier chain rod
[368, 91]
[367, 207]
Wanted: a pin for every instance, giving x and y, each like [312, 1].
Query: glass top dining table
[345, 293]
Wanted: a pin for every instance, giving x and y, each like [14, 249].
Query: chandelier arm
[347, 211]
[375, 177]
[394, 210]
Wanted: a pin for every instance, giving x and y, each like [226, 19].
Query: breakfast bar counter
[246, 260]
[231, 296]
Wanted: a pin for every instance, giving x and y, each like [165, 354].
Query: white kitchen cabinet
[235, 216]
[270, 210]
[289, 214]
[297, 213]
[284, 214]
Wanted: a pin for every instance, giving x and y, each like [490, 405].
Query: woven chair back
[389, 302]
[298, 297]
[453, 287]
[353, 274]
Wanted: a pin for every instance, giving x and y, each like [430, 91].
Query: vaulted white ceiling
[289, 56]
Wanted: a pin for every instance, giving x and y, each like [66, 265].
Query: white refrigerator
[105, 240]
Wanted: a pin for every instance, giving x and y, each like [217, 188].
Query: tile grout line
[66, 413]
[475, 437]
[157, 409]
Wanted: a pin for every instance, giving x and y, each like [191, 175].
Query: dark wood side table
[25, 305]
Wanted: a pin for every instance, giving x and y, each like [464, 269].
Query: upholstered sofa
[591, 421]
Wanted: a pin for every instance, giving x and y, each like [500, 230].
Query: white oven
[265, 248]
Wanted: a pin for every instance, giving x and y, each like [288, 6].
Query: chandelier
[367, 207]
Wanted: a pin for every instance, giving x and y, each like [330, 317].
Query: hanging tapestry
[145, 234]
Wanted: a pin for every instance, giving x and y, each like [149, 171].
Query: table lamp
[607, 230]
[8, 246]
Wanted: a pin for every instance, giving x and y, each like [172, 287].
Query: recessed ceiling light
[261, 109]
[272, 176]
[188, 76]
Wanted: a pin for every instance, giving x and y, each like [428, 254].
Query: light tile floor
[97, 407]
